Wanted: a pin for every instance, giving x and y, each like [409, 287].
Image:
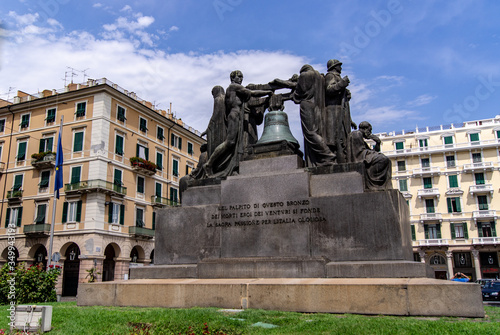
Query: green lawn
[71, 319]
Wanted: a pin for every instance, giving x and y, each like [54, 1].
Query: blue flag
[59, 167]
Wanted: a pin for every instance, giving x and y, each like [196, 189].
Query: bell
[276, 129]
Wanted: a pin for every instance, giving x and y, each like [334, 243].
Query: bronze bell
[276, 129]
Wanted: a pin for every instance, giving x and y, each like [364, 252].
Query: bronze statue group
[325, 119]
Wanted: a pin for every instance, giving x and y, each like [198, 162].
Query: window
[13, 217]
[116, 213]
[453, 205]
[117, 180]
[427, 181]
[498, 134]
[459, 230]
[119, 145]
[18, 182]
[432, 231]
[21, 151]
[143, 124]
[173, 194]
[413, 234]
[429, 206]
[139, 217]
[140, 184]
[486, 229]
[190, 148]
[159, 133]
[189, 168]
[482, 202]
[2, 125]
[72, 211]
[479, 178]
[41, 211]
[159, 161]
[158, 189]
[453, 180]
[80, 109]
[175, 168]
[403, 185]
[476, 157]
[142, 151]
[78, 141]
[474, 138]
[120, 114]
[401, 166]
[448, 141]
[176, 141]
[437, 260]
[462, 259]
[399, 146]
[423, 144]
[46, 144]
[51, 115]
[44, 179]
[75, 174]
[25, 121]
[425, 162]
[450, 161]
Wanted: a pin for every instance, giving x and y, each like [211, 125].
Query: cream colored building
[450, 178]
[105, 217]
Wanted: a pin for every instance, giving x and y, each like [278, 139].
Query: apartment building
[123, 160]
[450, 178]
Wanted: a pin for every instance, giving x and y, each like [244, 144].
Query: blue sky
[411, 63]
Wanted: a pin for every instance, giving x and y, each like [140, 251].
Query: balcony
[454, 191]
[480, 166]
[141, 232]
[431, 217]
[486, 240]
[43, 160]
[407, 195]
[484, 214]
[14, 195]
[481, 189]
[428, 192]
[37, 229]
[162, 202]
[96, 185]
[426, 171]
[143, 166]
[433, 242]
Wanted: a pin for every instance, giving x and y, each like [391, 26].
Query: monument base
[385, 296]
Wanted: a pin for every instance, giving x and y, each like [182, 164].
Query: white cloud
[25, 19]
[421, 100]
[174, 28]
[97, 5]
[126, 8]
[54, 23]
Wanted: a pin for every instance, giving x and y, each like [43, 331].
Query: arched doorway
[40, 256]
[9, 256]
[108, 267]
[438, 264]
[152, 257]
[71, 270]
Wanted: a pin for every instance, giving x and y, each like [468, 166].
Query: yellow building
[123, 159]
[450, 178]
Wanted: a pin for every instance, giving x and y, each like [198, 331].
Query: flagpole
[56, 194]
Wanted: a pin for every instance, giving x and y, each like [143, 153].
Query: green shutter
[457, 202]
[142, 125]
[159, 134]
[146, 152]
[190, 148]
[78, 145]
[140, 184]
[18, 182]
[474, 137]
[438, 230]
[172, 139]
[448, 140]
[122, 214]
[78, 211]
[119, 145]
[19, 216]
[40, 218]
[400, 145]
[159, 161]
[479, 177]
[41, 147]
[453, 180]
[479, 229]
[180, 143]
[65, 212]
[483, 202]
[75, 174]
[7, 217]
[466, 232]
[452, 230]
[413, 234]
[175, 167]
[428, 182]
[450, 207]
[49, 143]
[110, 212]
[21, 154]
[80, 108]
[403, 185]
[117, 179]
[137, 150]
[44, 182]
[493, 229]
[154, 220]
[158, 190]
[426, 231]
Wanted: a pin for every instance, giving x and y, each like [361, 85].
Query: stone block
[267, 166]
[164, 271]
[324, 185]
[201, 195]
[376, 269]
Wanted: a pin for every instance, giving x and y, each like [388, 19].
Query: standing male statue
[337, 115]
[224, 161]
[309, 93]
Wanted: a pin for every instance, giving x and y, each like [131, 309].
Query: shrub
[32, 284]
